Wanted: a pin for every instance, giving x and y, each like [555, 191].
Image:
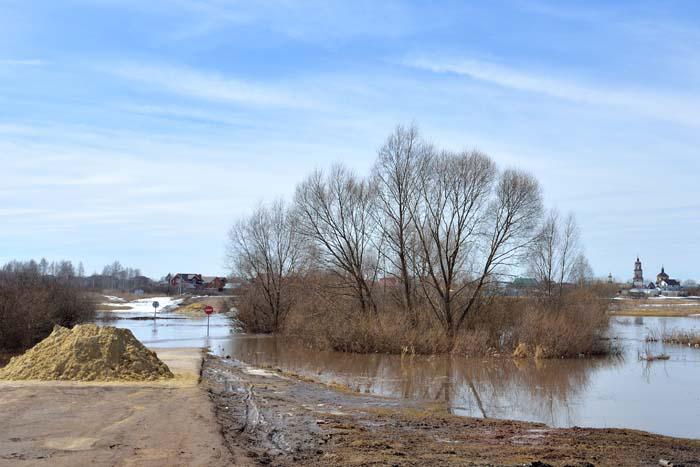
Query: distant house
[520, 286]
[189, 282]
[214, 283]
[186, 282]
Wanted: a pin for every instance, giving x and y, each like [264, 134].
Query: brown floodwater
[661, 397]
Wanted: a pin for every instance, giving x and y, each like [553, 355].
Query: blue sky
[138, 131]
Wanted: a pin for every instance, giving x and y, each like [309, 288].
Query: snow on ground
[145, 305]
[662, 297]
[666, 305]
[112, 298]
[260, 372]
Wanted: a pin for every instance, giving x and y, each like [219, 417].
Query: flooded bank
[660, 397]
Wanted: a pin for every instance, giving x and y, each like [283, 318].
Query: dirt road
[126, 424]
[282, 419]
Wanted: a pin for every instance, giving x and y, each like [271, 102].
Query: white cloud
[670, 107]
[22, 62]
[210, 86]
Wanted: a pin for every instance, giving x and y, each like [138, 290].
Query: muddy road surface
[275, 418]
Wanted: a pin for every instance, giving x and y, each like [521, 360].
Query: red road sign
[209, 309]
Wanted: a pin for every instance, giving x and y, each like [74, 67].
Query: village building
[664, 285]
[664, 282]
[638, 280]
[191, 282]
[213, 283]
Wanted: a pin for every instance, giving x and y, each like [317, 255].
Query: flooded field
[660, 397]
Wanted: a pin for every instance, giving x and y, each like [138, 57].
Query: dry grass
[569, 327]
[107, 307]
[659, 311]
[648, 356]
[195, 305]
[651, 307]
[677, 336]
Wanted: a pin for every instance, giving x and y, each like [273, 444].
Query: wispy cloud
[21, 62]
[210, 86]
[183, 113]
[670, 107]
[317, 21]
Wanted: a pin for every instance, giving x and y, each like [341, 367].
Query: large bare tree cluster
[439, 226]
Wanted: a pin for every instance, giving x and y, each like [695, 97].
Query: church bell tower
[638, 280]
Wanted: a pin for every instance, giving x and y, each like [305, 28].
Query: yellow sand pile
[87, 353]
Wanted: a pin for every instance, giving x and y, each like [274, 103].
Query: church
[664, 285]
[663, 282]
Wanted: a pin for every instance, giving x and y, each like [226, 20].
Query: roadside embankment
[281, 419]
[195, 305]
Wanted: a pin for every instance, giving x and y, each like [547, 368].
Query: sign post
[208, 310]
[155, 307]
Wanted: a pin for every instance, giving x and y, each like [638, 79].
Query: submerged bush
[568, 327]
[572, 325]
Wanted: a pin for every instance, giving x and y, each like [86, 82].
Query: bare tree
[471, 222]
[43, 267]
[335, 212]
[396, 176]
[513, 215]
[454, 192]
[554, 253]
[266, 249]
[581, 271]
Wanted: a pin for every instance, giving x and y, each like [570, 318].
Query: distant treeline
[114, 276]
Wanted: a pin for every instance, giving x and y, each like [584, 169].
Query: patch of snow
[112, 298]
[659, 305]
[260, 372]
[145, 305]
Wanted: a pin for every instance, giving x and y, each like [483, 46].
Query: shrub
[569, 326]
[572, 325]
[31, 304]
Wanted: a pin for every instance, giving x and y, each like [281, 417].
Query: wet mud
[277, 418]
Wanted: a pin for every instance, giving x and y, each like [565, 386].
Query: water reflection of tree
[542, 390]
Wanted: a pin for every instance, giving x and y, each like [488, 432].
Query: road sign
[155, 307]
[156, 304]
[208, 310]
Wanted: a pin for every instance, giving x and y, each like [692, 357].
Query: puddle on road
[661, 397]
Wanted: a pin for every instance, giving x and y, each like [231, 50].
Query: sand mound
[87, 353]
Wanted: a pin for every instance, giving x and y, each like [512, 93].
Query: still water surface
[661, 397]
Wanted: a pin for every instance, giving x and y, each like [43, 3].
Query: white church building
[664, 285]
